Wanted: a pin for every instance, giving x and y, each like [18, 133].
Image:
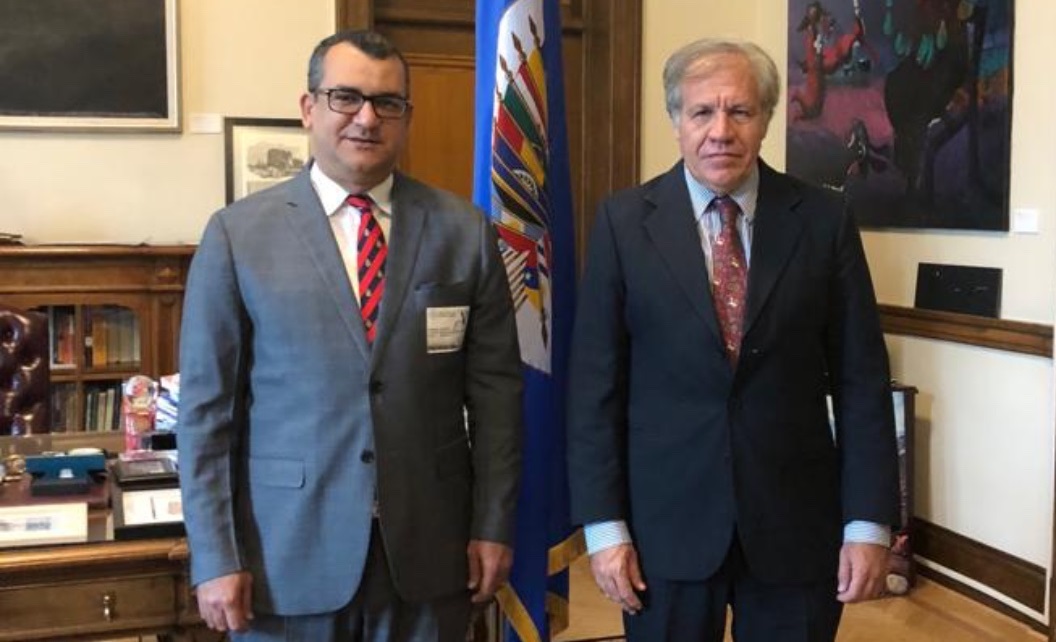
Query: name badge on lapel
[445, 328]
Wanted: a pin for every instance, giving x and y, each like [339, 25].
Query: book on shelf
[63, 407]
[111, 336]
[61, 336]
[100, 341]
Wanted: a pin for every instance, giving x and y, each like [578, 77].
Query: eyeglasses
[350, 101]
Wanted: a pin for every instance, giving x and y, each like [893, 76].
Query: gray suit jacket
[290, 423]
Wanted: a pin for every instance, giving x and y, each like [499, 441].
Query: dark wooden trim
[612, 105]
[999, 334]
[354, 14]
[978, 596]
[23, 252]
[1019, 579]
[449, 18]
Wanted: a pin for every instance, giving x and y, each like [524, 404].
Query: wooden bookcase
[114, 311]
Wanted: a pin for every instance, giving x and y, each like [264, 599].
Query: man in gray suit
[349, 469]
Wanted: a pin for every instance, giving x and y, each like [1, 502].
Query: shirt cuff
[862, 532]
[603, 535]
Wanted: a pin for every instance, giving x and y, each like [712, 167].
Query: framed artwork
[905, 106]
[261, 152]
[88, 65]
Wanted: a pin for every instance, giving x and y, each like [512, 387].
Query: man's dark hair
[373, 44]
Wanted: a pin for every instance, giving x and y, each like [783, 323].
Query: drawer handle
[108, 606]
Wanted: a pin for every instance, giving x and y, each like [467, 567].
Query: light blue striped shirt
[602, 535]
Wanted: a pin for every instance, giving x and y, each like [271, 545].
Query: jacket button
[367, 456]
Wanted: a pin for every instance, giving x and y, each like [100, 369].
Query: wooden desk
[97, 591]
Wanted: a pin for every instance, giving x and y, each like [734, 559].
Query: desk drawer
[42, 611]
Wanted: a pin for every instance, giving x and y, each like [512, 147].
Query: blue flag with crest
[521, 180]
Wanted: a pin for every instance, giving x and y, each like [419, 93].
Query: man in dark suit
[720, 302]
[349, 471]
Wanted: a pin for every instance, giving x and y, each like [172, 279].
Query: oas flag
[521, 180]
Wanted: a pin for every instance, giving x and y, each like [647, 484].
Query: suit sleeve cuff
[602, 535]
[863, 532]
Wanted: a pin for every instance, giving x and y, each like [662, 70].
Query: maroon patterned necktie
[370, 263]
[729, 277]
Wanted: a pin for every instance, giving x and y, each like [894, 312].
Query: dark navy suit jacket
[665, 434]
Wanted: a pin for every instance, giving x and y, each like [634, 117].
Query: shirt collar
[746, 194]
[332, 196]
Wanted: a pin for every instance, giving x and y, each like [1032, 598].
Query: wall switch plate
[1025, 221]
[205, 124]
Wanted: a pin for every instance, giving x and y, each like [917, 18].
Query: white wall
[986, 443]
[238, 58]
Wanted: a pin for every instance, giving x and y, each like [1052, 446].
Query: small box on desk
[152, 472]
[64, 474]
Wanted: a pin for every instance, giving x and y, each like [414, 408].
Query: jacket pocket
[442, 294]
[280, 473]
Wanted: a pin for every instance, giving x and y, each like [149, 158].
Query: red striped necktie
[370, 263]
[729, 277]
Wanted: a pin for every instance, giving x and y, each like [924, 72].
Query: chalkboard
[88, 64]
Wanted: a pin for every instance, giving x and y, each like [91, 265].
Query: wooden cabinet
[114, 311]
[102, 590]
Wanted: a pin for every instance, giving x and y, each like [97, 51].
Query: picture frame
[905, 109]
[147, 513]
[262, 152]
[90, 65]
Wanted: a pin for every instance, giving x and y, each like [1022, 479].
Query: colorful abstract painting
[905, 106]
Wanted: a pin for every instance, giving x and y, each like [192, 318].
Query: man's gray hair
[680, 64]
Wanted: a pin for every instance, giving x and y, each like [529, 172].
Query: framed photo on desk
[147, 512]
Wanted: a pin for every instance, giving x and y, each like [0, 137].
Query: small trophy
[139, 406]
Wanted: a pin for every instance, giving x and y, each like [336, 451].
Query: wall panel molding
[999, 334]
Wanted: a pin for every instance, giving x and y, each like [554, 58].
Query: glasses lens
[389, 106]
[345, 101]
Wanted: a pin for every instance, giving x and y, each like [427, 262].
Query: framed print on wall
[89, 65]
[261, 152]
[905, 106]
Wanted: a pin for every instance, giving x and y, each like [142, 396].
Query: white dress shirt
[344, 219]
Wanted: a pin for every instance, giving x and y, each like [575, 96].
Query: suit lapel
[672, 227]
[311, 225]
[405, 235]
[775, 233]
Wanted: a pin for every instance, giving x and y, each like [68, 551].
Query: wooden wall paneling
[611, 63]
[354, 14]
[440, 148]
[572, 47]
[426, 11]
